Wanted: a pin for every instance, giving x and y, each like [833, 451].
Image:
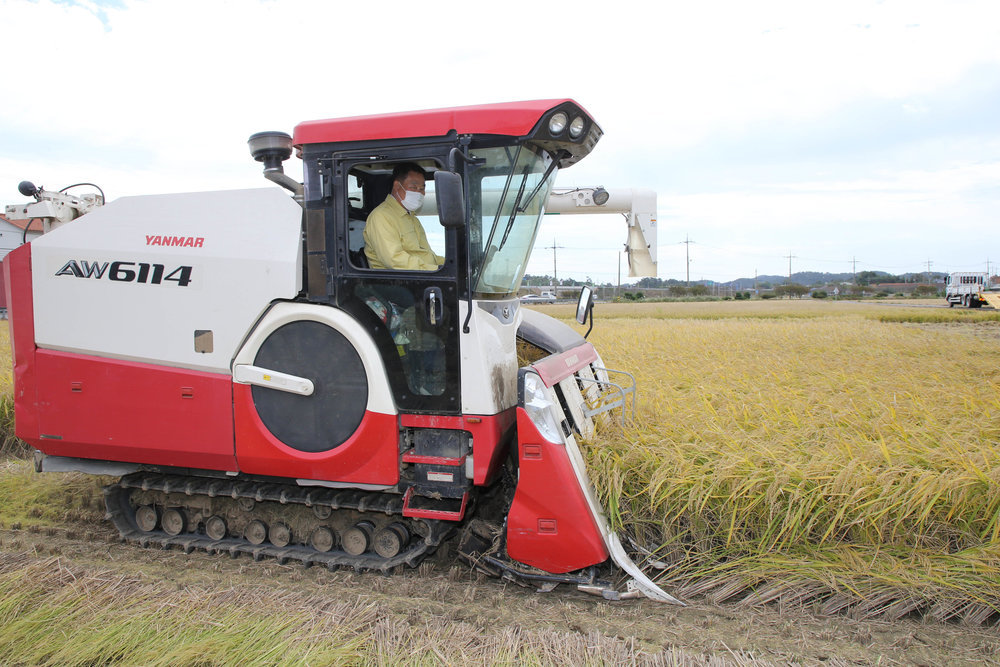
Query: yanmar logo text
[128, 272]
[176, 241]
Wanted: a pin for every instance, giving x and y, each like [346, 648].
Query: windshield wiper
[548, 172]
[515, 209]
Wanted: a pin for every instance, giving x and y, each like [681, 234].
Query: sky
[825, 136]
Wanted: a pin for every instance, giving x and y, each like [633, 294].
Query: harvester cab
[261, 387]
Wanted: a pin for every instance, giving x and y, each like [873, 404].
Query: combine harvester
[971, 289]
[259, 389]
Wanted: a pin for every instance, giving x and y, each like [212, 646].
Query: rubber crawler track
[122, 514]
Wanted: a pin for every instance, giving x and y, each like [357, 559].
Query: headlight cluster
[537, 404]
[559, 121]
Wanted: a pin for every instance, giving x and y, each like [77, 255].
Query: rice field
[833, 454]
[812, 452]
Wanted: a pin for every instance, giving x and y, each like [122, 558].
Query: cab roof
[509, 118]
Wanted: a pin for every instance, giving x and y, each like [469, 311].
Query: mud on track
[444, 613]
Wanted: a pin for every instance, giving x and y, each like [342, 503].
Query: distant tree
[791, 289]
[650, 283]
[699, 290]
[925, 290]
[867, 277]
[679, 290]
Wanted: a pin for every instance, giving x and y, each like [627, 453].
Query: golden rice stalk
[779, 442]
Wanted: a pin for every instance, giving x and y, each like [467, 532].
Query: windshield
[509, 190]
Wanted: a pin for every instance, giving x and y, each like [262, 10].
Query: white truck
[971, 289]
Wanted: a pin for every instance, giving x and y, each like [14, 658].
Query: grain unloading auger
[259, 388]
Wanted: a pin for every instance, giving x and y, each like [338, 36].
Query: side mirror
[585, 307]
[450, 199]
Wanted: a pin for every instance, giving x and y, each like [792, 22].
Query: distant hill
[809, 278]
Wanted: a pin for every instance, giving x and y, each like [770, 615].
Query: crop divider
[614, 395]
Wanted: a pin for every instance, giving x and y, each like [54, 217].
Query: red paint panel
[512, 119]
[370, 456]
[557, 367]
[97, 408]
[549, 525]
[489, 438]
[21, 316]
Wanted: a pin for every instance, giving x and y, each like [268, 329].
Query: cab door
[413, 316]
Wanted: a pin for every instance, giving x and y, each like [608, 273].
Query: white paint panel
[244, 250]
[489, 360]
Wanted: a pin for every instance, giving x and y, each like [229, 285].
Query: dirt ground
[446, 590]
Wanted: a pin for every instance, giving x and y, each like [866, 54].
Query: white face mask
[412, 201]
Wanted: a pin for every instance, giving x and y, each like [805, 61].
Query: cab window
[368, 186]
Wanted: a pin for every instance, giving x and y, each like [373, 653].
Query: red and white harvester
[259, 389]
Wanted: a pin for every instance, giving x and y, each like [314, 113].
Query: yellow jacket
[395, 239]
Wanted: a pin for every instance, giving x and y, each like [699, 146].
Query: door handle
[434, 304]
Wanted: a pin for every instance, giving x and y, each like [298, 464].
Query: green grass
[50, 616]
[10, 445]
[28, 499]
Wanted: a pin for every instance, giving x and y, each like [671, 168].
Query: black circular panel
[333, 412]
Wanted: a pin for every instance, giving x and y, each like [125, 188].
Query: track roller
[279, 535]
[322, 539]
[389, 541]
[216, 527]
[356, 540]
[255, 532]
[146, 518]
[173, 522]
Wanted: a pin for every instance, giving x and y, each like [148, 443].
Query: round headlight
[558, 123]
[577, 127]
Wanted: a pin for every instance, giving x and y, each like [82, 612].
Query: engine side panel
[96, 408]
[166, 279]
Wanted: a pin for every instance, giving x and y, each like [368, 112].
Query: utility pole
[555, 278]
[854, 270]
[619, 288]
[790, 257]
[687, 256]
[929, 262]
